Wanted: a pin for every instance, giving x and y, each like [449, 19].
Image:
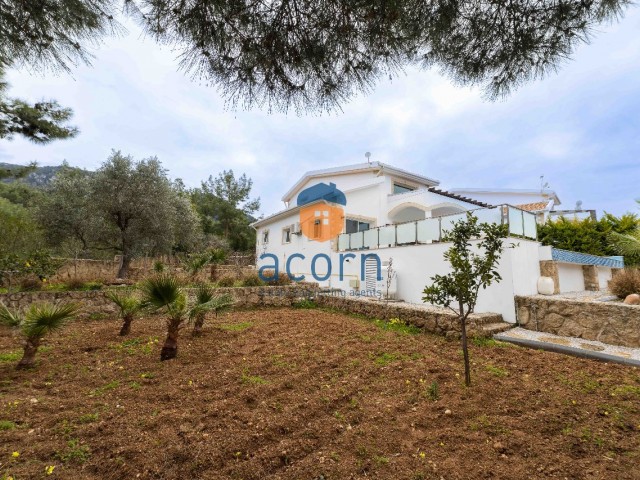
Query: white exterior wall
[604, 275]
[570, 277]
[415, 265]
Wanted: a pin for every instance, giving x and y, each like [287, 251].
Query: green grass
[498, 372]
[236, 327]
[386, 358]
[7, 425]
[75, 452]
[10, 356]
[88, 418]
[305, 304]
[105, 388]
[252, 379]
[433, 392]
[489, 342]
[398, 326]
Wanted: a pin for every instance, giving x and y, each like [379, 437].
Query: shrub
[252, 281]
[226, 282]
[74, 283]
[625, 282]
[282, 279]
[29, 284]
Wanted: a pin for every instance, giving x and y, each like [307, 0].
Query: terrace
[431, 230]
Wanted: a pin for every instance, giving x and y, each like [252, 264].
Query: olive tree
[127, 207]
[474, 255]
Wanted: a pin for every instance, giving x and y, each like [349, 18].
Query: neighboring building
[335, 217]
[543, 202]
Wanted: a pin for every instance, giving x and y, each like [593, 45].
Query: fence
[521, 224]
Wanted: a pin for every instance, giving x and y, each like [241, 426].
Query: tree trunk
[29, 357]
[465, 351]
[214, 272]
[123, 271]
[126, 326]
[197, 326]
[170, 347]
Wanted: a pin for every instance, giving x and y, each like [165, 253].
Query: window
[286, 235]
[398, 188]
[265, 236]
[353, 226]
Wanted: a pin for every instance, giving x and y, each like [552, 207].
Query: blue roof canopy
[321, 191]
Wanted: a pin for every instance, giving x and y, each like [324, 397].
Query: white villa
[336, 219]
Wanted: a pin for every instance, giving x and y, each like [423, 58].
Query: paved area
[571, 345]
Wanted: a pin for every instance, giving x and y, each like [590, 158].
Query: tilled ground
[309, 394]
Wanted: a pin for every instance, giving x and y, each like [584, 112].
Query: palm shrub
[166, 293]
[128, 307]
[628, 245]
[207, 301]
[35, 323]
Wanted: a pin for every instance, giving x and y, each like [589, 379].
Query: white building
[335, 219]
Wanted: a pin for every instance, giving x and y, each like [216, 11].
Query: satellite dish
[368, 155]
[579, 205]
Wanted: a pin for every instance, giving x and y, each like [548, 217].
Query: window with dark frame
[399, 188]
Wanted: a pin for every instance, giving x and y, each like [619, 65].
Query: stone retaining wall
[95, 302]
[433, 320]
[607, 322]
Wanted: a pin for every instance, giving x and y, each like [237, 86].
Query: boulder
[633, 299]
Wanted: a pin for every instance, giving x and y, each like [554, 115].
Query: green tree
[35, 323]
[67, 212]
[315, 55]
[588, 235]
[127, 207]
[40, 122]
[137, 203]
[625, 239]
[473, 266]
[226, 209]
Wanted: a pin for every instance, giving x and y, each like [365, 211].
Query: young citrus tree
[207, 301]
[35, 323]
[473, 266]
[128, 307]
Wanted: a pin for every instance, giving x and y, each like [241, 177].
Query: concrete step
[491, 329]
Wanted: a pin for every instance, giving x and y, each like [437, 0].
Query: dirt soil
[313, 395]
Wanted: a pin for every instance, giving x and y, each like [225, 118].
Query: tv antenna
[543, 184]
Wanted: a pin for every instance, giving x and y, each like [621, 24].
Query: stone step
[490, 329]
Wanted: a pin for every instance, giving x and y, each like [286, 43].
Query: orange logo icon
[321, 221]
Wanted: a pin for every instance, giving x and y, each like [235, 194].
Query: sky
[579, 127]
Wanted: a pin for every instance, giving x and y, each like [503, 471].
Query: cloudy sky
[580, 128]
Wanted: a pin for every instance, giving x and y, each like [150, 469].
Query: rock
[633, 299]
[447, 412]
[545, 286]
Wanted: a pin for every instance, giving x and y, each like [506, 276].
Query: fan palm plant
[627, 244]
[165, 293]
[35, 323]
[207, 301]
[128, 307]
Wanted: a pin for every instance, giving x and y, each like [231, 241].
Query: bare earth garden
[309, 394]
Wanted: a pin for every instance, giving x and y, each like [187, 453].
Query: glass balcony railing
[521, 224]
